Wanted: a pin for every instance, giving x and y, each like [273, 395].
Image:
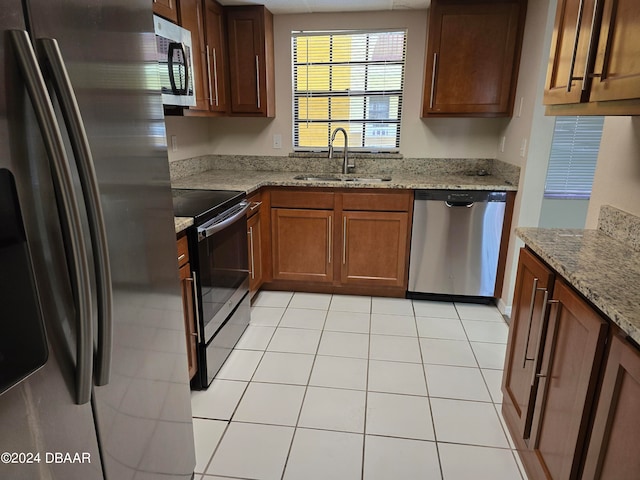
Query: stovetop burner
[203, 204]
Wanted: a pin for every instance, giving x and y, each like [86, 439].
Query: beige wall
[436, 138]
[617, 179]
[530, 124]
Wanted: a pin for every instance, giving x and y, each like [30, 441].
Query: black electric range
[203, 205]
[219, 261]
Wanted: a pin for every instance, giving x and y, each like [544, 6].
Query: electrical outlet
[277, 140]
[174, 143]
[523, 147]
[502, 143]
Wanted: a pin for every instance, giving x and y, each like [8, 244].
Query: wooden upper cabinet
[191, 19]
[251, 68]
[473, 55]
[216, 57]
[167, 9]
[617, 64]
[533, 281]
[205, 20]
[600, 58]
[614, 449]
[569, 53]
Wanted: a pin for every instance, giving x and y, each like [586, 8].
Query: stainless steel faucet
[345, 160]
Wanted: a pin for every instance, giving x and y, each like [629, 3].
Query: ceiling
[279, 7]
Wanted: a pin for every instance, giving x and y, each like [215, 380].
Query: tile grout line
[433, 423]
[366, 393]
[304, 396]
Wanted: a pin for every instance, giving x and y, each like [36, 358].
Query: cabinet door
[569, 373]
[614, 450]
[188, 307]
[254, 237]
[534, 283]
[569, 53]
[617, 68]
[191, 19]
[250, 41]
[301, 244]
[167, 9]
[216, 57]
[472, 58]
[374, 248]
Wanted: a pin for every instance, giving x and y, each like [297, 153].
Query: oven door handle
[208, 230]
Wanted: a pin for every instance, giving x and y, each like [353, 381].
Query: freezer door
[39, 417]
[143, 414]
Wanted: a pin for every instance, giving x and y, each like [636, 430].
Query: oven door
[224, 267]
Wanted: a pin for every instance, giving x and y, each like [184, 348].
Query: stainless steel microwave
[175, 63]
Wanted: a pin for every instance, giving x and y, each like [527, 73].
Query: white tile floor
[333, 387]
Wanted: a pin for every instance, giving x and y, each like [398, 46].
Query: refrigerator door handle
[89, 181]
[52, 138]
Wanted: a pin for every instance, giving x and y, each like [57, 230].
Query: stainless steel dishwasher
[455, 244]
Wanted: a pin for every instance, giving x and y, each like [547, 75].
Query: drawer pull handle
[182, 256]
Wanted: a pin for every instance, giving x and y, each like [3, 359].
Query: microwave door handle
[91, 193]
[79, 268]
[206, 231]
[173, 46]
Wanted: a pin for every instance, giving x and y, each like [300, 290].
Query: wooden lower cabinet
[254, 239]
[570, 366]
[374, 248]
[301, 242]
[534, 283]
[614, 448]
[188, 307]
[548, 406]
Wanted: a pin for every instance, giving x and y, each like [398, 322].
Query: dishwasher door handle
[459, 204]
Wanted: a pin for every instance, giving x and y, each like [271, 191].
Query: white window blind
[348, 79]
[574, 152]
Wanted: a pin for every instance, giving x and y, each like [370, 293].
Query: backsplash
[365, 164]
[620, 225]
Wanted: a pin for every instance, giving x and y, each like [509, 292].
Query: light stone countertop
[604, 270]
[249, 181]
[182, 223]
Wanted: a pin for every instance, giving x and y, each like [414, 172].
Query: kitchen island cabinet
[614, 448]
[534, 284]
[473, 55]
[570, 402]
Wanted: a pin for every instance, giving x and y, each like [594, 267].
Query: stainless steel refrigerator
[93, 365]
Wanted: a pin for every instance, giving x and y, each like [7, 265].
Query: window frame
[367, 122]
[568, 157]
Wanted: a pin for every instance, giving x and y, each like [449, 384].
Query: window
[348, 79]
[574, 152]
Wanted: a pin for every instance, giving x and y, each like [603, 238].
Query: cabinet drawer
[315, 200]
[183, 251]
[380, 202]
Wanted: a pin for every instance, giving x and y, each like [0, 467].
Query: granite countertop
[182, 223]
[250, 181]
[605, 270]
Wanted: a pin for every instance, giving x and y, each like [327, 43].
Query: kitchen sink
[329, 178]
